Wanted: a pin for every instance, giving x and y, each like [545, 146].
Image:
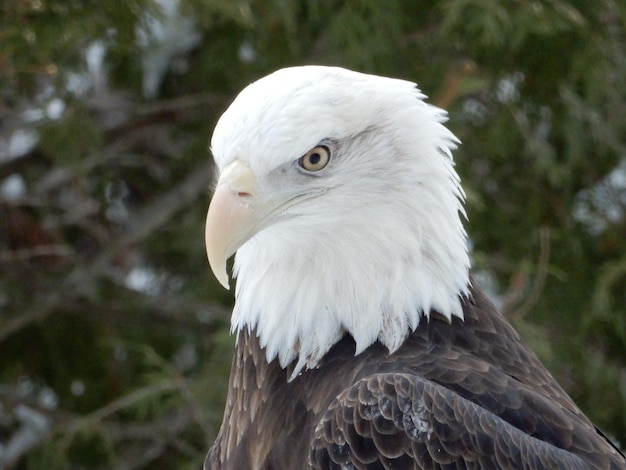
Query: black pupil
[314, 158]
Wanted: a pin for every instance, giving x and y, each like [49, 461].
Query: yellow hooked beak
[231, 219]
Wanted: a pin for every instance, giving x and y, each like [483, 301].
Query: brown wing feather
[482, 392]
[402, 421]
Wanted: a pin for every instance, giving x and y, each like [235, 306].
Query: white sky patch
[13, 188]
[55, 108]
[95, 78]
[603, 204]
[116, 193]
[47, 398]
[76, 83]
[17, 144]
[52, 110]
[32, 424]
[77, 388]
[163, 39]
[247, 53]
[33, 115]
[94, 56]
[144, 279]
[507, 90]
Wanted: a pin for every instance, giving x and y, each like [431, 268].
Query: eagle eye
[315, 159]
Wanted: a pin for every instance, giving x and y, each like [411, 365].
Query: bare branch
[27, 254]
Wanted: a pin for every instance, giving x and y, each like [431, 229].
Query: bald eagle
[361, 341]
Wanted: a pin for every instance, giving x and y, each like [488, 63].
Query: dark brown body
[465, 394]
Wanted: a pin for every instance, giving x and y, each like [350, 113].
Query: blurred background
[114, 335]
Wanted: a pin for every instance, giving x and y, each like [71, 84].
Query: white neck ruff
[371, 272]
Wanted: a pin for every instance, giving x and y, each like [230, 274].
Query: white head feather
[377, 243]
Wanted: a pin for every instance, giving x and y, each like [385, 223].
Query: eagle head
[338, 194]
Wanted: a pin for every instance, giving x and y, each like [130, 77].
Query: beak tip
[219, 270]
[224, 281]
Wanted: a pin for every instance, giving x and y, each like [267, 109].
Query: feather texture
[381, 241]
[456, 394]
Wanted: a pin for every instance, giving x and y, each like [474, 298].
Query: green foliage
[114, 334]
[68, 141]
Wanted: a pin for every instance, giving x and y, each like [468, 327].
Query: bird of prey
[361, 340]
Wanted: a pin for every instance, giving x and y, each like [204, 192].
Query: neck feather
[302, 287]
[371, 256]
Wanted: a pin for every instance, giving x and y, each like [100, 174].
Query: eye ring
[315, 159]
